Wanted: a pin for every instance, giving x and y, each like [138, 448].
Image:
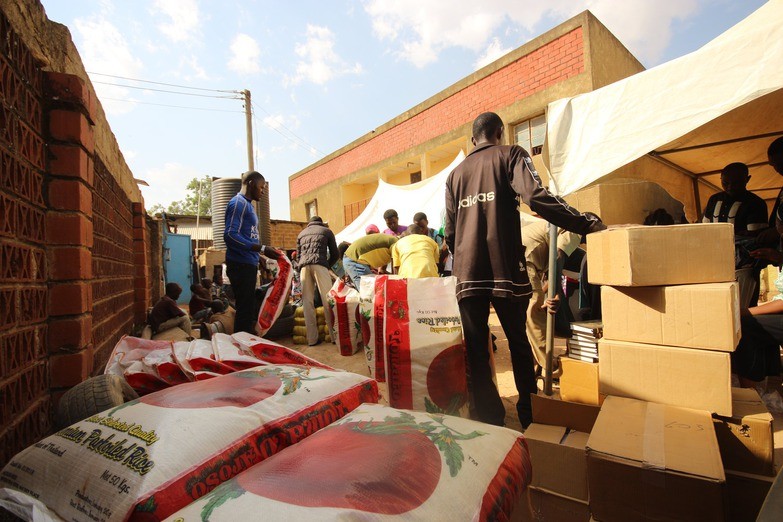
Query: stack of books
[583, 344]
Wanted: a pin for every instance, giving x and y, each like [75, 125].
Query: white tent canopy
[694, 115]
[428, 196]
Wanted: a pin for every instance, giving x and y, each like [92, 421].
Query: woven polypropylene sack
[150, 457]
[379, 463]
[275, 298]
[372, 306]
[344, 301]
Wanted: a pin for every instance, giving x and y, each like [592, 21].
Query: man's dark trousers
[243, 279]
[475, 314]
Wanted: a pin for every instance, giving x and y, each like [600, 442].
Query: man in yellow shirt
[415, 254]
[369, 252]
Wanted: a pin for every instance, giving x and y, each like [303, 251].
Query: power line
[167, 91]
[174, 106]
[310, 148]
[161, 83]
[306, 148]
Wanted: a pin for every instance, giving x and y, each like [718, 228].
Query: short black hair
[736, 168]
[342, 247]
[486, 125]
[418, 216]
[172, 288]
[659, 217]
[252, 175]
[390, 214]
[316, 219]
[776, 147]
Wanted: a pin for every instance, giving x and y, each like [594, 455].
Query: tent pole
[550, 318]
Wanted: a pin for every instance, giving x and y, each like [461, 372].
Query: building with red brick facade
[577, 56]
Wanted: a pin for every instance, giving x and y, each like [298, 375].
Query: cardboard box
[648, 461]
[745, 438]
[747, 493]
[554, 412]
[545, 506]
[557, 455]
[704, 316]
[698, 379]
[579, 382]
[661, 255]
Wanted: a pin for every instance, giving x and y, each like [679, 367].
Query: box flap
[545, 433]
[548, 410]
[658, 436]
[576, 439]
[746, 403]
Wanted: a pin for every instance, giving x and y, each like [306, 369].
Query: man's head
[415, 229]
[206, 283]
[734, 179]
[391, 218]
[173, 290]
[343, 246]
[253, 184]
[371, 229]
[420, 218]
[775, 155]
[487, 128]
[317, 220]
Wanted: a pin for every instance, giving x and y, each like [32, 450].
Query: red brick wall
[551, 63]
[74, 250]
[284, 233]
[24, 365]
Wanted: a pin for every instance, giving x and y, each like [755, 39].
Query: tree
[191, 205]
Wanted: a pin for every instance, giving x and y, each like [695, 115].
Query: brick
[71, 89]
[70, 369]
[70, 263]
[72, 161]
[142, 295]
[138, 221]
[138, 208]
[68, 229]
[70, 334]
[72, 127]
[70, 298]
[66, 194]
[141, 271]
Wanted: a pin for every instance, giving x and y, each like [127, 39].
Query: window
[415, 177]
[311, 208]
[530, 134]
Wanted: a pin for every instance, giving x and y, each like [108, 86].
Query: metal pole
[198, 215]
[249, 128]
[550, 318]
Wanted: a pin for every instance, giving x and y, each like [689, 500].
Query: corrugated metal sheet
[188, 226]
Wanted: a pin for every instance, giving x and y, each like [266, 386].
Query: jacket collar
[482, 147]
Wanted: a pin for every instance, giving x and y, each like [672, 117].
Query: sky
[321, 73]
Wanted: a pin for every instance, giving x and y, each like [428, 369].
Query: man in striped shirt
[243, 247]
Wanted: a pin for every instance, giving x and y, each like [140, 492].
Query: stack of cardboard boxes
[670, 321]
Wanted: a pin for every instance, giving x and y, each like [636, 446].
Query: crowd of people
[499, 257]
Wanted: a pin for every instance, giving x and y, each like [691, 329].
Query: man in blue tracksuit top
[243, 247]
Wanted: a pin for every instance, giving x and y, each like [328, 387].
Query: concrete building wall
[75, 244]
[577, 56]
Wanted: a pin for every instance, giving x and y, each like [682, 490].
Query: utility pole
[249, 126]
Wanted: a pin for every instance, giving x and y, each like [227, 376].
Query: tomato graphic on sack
[396, 465]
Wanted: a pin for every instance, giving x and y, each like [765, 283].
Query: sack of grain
[148, 458]
[372, 306]
[380, 464]
[344, 301]
[275, 299]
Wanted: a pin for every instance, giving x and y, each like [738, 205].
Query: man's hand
[271, 253]
[551, 305]
[770, 254]
[256, 247]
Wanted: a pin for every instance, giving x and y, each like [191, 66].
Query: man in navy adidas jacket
[243, 247]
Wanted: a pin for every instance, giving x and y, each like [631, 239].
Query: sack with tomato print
[276, 295]
[148, 458]
[372, 306]
[425, 365]
[381, 464]
[274, 353]
[144, 364]
[344, 301]
[234, 354]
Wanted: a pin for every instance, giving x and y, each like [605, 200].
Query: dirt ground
[329, 354]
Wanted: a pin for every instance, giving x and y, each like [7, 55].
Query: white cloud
[319, 62]
[183, 17]
[494, 51]
[104, 50]
[420, 31]
[197, 70]
[245, 55]
[277, 121]
[167, 183]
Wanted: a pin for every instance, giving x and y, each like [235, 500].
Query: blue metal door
[178, 262]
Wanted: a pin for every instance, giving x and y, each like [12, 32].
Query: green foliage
[190, 205]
